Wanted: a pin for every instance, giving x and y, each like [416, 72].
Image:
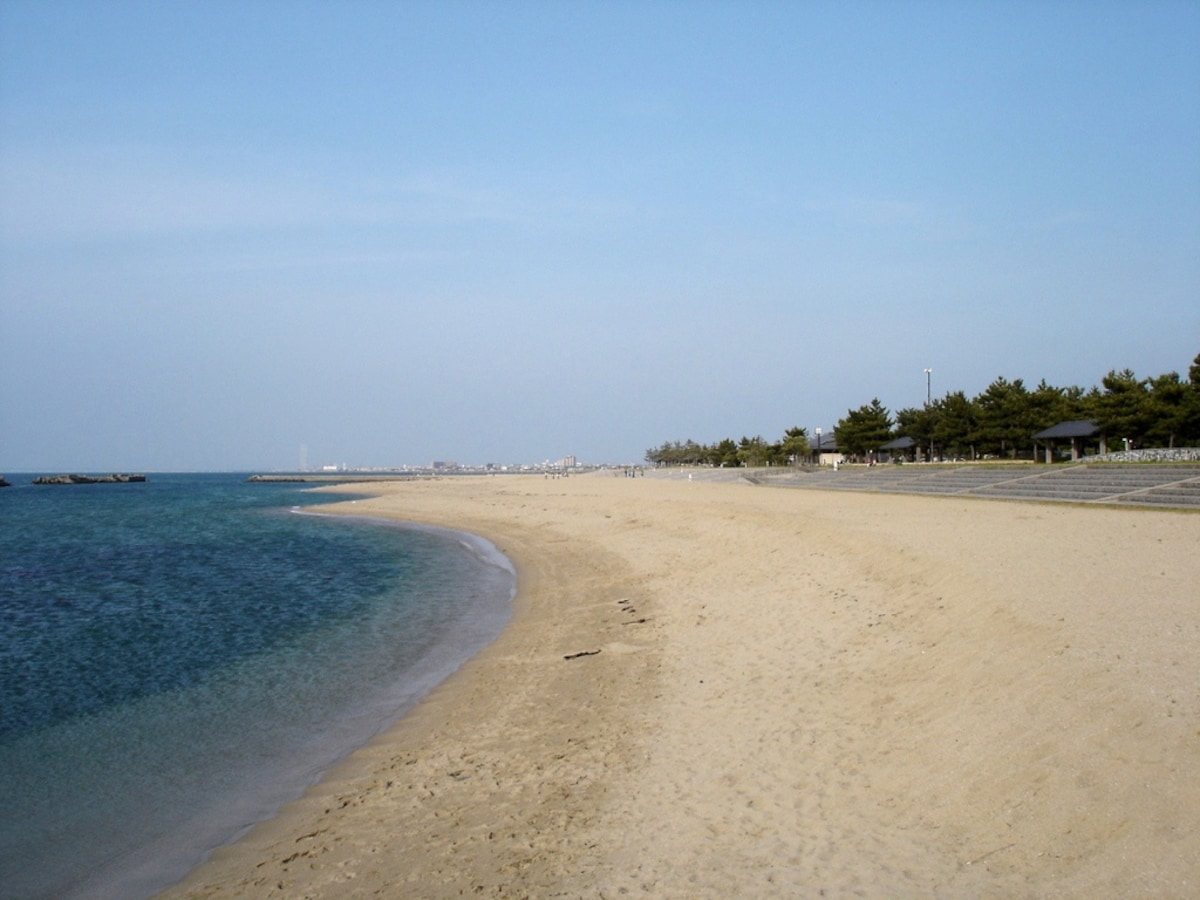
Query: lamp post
[928, 403]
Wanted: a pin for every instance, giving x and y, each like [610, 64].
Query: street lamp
[928, 403]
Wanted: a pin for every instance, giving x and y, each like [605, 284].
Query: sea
[181, 657]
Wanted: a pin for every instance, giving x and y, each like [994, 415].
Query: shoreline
[219, 816]
[794, 692]
[433, 740]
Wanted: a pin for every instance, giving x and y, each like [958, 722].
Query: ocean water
[181, 657]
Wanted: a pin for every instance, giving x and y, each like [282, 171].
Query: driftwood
[581, 653]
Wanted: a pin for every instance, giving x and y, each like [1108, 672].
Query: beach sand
[797, 693]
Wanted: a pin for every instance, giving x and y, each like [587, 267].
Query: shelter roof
[1077, 428]
[900, 443]
[823, 443]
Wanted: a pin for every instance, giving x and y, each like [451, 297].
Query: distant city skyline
[512, 232]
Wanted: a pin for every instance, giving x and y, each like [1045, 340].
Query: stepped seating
[1176, 486]
[1156, 485]
[1129, 485]
[913, 478]
[966, 479]
[872, 474]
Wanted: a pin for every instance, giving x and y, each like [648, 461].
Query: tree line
[749, 451]
[1159, 411]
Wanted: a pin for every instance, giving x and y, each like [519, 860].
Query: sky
[239, 235]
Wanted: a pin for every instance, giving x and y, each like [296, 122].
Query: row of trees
[1161, 411]
[755, 451]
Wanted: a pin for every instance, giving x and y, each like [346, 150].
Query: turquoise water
[178, 658]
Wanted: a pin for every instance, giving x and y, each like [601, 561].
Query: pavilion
[902, 446]
[1076, 431]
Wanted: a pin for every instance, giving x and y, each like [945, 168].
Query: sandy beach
[719, 690]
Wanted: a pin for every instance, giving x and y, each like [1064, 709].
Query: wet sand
[795, 692]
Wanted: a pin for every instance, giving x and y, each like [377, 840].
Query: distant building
[824, 450]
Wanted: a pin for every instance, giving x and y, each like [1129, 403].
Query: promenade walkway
[1154, 485]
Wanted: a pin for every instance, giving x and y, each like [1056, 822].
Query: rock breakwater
[89, 479]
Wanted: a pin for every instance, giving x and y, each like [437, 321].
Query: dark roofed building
[825, 450]
[1075, 431]
[903, 446]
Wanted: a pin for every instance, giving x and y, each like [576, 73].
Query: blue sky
[507, 232]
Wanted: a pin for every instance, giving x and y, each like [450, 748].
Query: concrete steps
[1127, 484]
